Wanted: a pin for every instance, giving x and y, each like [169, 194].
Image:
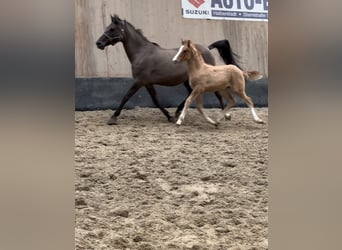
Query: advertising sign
[249, 10]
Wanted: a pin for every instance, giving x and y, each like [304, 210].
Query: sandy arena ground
[147, 184]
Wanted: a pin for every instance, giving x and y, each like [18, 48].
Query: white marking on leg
[178, 53]
[181, 117]
[255, 117]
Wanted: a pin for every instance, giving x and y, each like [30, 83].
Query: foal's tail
[226, 52]
[252, 75]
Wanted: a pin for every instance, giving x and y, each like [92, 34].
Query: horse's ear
[188, 43]
[115, 18]
[182, 41]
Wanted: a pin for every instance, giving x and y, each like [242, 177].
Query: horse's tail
[226, 52]
[252, 75]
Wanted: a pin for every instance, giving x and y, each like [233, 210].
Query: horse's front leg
[188, 102]
[181, 106]
[136, 86]
[151, 90]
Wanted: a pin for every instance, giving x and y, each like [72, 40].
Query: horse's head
[114, 33]
[185, 51]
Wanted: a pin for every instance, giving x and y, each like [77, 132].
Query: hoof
[260, 121]
[172, 119]
[179, 122]
[177, 114]
[216, 124]
[112, 121]
[228, 117]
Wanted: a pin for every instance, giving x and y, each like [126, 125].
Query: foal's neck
[195, 62]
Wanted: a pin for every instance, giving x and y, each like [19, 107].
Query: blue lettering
[214, 2]
[229, 4]
[249, 6]
[239, 4]
[226, 5]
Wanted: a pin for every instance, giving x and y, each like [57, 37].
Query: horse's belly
[169, 77]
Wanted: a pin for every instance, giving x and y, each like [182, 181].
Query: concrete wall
[161, 22]
[106, 93]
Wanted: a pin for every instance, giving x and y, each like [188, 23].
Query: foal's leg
[151, 90]
[250, 104]
[199, 102]
[181, 106]
[230, 103]
[136, 86]
[188, 101]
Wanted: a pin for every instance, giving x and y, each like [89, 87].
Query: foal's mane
[196, 52]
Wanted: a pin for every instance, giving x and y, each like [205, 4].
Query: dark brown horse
[224, 49]
[150, 63]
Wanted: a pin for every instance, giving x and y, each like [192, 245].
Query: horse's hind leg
[199, 102]
[250, 104]
[151, 90]
[136, 86]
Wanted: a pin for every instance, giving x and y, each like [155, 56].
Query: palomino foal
[207, 78]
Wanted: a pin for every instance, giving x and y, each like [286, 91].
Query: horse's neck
[195, 63]
[133, 43]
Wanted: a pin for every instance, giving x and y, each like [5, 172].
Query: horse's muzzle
[100, 45]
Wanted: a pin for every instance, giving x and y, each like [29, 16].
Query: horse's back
[155, 66]
[227, 67]
[229, 71]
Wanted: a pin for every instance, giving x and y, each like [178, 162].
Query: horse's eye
[111, 29]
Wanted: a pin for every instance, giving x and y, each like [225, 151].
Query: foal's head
[186, 51]
[114, 33]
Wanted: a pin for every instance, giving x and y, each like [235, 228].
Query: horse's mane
[226, 52]
[140, 32]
